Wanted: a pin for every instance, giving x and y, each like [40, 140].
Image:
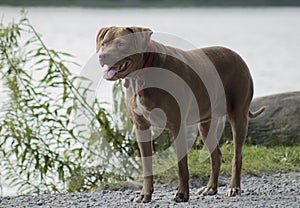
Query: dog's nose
[102, 55]
[105, 56]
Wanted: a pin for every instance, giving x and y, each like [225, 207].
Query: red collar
[150, 56]
[146, 66]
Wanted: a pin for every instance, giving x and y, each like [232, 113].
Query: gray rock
[279, 124]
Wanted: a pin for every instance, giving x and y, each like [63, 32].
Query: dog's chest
[140, 109]
[135, 99]
[155, 116]
[143, 104]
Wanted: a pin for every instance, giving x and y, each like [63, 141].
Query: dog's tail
[256, 113]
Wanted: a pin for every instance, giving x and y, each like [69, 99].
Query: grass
[256, 161]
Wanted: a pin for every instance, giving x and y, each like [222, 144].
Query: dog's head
[122, 50]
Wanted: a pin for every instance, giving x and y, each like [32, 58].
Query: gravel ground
[276, 190]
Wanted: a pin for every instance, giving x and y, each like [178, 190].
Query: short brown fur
[238, 89]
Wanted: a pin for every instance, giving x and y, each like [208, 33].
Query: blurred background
[152, 3]
[265, 33]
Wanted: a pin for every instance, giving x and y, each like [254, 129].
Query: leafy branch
[51, 138]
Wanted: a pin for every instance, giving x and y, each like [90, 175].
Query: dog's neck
[146, 66]
[150, 57]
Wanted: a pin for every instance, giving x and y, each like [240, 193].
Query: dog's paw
[180, 197]
[233, 192]
[142, 199]
[206, 190]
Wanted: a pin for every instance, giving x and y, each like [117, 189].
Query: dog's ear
[100, 37]
[143, 34]
[144, 31]
[139, 29]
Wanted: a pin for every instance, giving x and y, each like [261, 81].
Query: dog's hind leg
[239, 126]
[208, 132]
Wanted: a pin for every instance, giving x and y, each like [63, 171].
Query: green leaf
[69, 110]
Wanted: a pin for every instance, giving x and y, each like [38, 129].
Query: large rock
[279, 124]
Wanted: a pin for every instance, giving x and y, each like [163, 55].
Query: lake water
[267, 38]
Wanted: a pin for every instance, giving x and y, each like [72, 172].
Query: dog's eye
[121, 44]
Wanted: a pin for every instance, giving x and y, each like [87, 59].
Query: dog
[158, 77]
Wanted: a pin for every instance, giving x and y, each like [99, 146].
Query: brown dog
[171, 88]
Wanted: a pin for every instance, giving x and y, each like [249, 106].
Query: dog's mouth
[114, 72]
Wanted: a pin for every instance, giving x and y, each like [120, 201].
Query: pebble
[275, 190]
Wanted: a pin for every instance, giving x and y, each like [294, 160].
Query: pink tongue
[109, 74]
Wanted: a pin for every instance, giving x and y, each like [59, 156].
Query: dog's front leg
[182, 194]
[145, 146]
